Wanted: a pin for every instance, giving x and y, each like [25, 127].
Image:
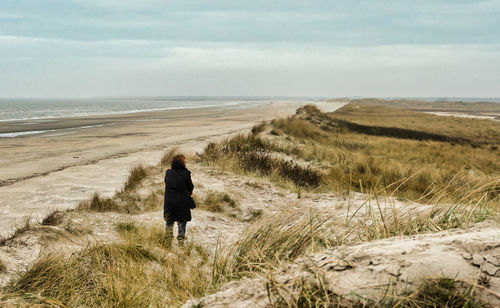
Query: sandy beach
[80, 156]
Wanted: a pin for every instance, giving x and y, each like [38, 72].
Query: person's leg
[169, 228]
[181, 230]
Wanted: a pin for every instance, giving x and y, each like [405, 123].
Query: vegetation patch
[246, 154]
[407, 115]
[401, 133]
[259, 128]
[421, 170]
[122, 202]
[277, 238]
[17, 232]
[217, 201]
[137, 175]
[3, 267]
[53, 219]
[166, 160]
[378, 221]
[312, 291]
[99, 204]
[140, 272]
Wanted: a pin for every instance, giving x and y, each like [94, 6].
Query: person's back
[178, 202]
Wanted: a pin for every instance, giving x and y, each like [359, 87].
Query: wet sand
[57, 169]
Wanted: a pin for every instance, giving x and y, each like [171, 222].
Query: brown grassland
[327, 153]
[477, 131]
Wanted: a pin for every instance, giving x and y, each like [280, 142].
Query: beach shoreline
[45, 172]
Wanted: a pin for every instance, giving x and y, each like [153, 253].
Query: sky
[372, 48]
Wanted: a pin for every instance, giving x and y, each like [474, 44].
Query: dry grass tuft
[244, 153]
[27, 226]
[137, 175]
[3, 267]
[53, 219]
[98, 204]
[122, 202]
[370, 221]
[168, 156]
[280, 237]
[259, 128]
[140, 272]
[217, 201]
[312, 291]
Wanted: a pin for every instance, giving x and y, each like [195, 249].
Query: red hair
[180, 158]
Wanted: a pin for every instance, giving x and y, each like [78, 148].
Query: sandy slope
[367, 269]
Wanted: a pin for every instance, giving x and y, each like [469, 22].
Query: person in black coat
[178, 202]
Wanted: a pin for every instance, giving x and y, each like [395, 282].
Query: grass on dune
[3, 267]
[238, 155]
[50, 228]
[378, 217]
[478, 131]
[419, 105]
[277, 238]
[122, 202]
[27, 226]
[216, 201]
[312, 291]
[137, 174]
[336, 158]
[144, 269]
[168, 156]
[141, 271]
[53, 219]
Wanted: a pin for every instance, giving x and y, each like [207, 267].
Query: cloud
[125, 67]
[338, 23]
[261, 47]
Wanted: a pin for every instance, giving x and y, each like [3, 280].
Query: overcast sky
[88, 48]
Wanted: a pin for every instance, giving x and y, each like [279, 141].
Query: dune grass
[270, 240]
[129, 202]
[50, 228]
[166, 159]
[136, 176]
[340, 159]
[216, 201]
[3, 267]
[312, 291]
[19, 230]
[144, 269]
[54, 218]
[98, 204]
[378, 217]
[141, 271]
[245, 154]
[478, 131]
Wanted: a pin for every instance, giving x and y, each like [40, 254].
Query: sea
[31, 109]
[23, 111]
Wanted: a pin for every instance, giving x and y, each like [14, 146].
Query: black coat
[178, 188]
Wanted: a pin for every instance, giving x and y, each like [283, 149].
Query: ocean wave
[82, 110]
[38, 132]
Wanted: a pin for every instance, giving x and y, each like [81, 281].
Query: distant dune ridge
[376, 204]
